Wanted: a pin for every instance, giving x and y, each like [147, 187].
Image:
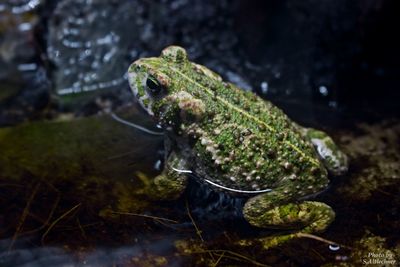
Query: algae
[50, 166]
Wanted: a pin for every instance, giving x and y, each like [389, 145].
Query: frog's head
[166, 85]
[153, 79]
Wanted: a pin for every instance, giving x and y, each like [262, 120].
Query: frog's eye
[153, 86]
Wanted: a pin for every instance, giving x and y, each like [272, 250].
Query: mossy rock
[52, 166]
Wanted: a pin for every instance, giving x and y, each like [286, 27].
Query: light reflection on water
[25, 255]
[89, 44]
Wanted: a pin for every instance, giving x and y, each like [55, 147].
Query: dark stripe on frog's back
[271, 172]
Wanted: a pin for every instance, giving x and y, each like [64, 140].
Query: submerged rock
[88, 167]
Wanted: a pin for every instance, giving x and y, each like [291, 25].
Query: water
[73, 179]
[91, 44]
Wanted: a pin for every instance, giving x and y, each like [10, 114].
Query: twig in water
[219, 259]
[198, 232]
[318, 254]
[24, 215]
[121, 155]
[235, 254]
[46, 222]
[318, 238]
[57, 220]
[146, 216]
[81, 228]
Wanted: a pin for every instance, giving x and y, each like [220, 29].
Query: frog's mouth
[137, 82]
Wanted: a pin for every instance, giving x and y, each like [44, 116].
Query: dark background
[323, 62]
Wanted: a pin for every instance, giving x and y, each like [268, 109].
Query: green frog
[236, 142]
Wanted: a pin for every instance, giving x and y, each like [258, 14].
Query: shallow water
[73, 180]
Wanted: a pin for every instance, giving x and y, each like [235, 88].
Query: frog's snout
[132, 78]
[137, 82]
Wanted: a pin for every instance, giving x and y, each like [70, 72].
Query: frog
[235, 142]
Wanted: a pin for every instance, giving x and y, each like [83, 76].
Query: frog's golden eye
[154, 87]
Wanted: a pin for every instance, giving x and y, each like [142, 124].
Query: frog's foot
[333, 159]
[171, 183]
[306, 217]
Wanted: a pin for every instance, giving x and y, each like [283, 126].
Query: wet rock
[24, 85]
[17, 21]
[90, 44]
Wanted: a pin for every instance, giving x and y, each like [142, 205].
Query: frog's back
[246, 143]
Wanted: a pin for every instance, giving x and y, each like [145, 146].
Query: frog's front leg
[171, 183]
[307, 216]
[333, 159]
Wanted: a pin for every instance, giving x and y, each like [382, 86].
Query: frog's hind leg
[307, 216]
[171, 183]
[332, 157]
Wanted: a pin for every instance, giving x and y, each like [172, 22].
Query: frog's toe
[317, 215]
[333, 158]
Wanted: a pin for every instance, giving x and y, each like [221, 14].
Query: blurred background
[316, 59]
[70, 175]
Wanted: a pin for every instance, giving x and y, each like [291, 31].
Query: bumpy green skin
[234, 138]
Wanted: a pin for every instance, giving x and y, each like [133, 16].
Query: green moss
[92, 160]
[376, 157]
[253, 124]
